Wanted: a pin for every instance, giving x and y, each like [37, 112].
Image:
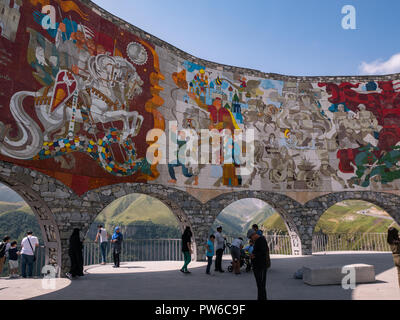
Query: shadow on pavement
[174, 285]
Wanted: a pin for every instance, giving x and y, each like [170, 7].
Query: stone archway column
[71, 211]
[199, 223]
[34, 188]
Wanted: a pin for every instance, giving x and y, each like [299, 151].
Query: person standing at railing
[219, 247]
[102, 235]
[76, 255]
[116, 242]
[394, 242]
[28, 247]
[13, 254]
[187, 249]
[210, 252]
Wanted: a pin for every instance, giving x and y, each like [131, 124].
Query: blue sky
[282, 36]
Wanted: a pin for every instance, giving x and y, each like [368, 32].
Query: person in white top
[219, 249]
[102, 235]
[28, 247]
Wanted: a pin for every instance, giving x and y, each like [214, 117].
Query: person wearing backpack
[28, 247]
[4, 246]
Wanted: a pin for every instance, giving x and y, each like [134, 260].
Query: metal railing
[136, 250]
[350, 242]
[37, 266]
[277, 244]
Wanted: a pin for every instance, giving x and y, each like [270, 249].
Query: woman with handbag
[76, 255]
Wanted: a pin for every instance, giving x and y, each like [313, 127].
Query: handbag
[34, 252]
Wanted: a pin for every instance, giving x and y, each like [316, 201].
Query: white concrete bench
[319, 276]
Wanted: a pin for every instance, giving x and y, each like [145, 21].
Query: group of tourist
[257, 249]
[9, 251]
[76, 249]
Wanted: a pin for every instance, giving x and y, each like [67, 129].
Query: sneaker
[68, 275]
[187, 271]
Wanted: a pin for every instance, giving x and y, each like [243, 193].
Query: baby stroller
[244, 259]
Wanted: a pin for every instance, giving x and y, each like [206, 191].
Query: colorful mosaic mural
[315, 136]
[79, 95]
[83, 91]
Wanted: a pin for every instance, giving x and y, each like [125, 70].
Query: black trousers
[76, 258]
[261, 278]
[218, 259]
[116, 258]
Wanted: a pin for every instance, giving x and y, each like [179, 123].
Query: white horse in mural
[112, 83]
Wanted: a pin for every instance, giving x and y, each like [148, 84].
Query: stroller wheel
[230, 268]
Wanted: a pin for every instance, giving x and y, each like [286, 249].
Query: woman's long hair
[393, 235]
[188, 232]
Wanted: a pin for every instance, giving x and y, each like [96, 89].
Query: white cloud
[392, 65]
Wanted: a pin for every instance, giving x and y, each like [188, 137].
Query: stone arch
[316, 207]
[289, 209]
[185, 207]
[27, 183]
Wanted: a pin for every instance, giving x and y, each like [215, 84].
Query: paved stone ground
[162, 280]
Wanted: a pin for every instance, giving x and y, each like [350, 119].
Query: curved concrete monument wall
[79, 99]
[82, 91]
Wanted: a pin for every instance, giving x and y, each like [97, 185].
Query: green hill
[352, 216]
[132, 208]
[238, 217]
[16, 219]
[12, 206]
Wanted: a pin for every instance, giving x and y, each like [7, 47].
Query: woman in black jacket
[76, 255]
